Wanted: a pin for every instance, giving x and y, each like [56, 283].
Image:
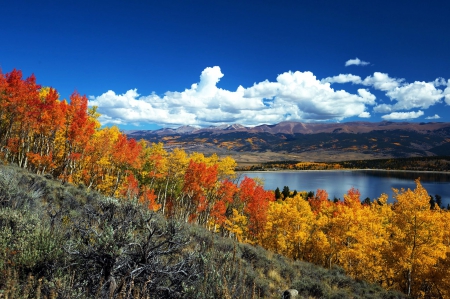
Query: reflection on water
[370, 183]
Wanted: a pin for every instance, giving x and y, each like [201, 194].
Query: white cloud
[356, 61]
[382, 108]
[433, 117]
[403, 115]
[293, 96]
[405, 96]
[343, 78]
[439, 82]
[304, 97]
[415, 95]
[365, 94]
[298, 96]
[382, 81]
[446, 93]
[364, 115]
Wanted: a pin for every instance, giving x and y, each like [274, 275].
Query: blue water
[369, 183]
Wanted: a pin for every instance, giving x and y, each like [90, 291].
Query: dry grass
[249, 158]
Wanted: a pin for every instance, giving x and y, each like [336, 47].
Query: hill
[309, 141]
[64, 241]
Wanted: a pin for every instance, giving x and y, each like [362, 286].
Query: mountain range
[309, 141]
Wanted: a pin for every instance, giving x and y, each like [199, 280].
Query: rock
[288, 294]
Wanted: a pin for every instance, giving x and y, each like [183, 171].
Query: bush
[18, 192]
[64, 241]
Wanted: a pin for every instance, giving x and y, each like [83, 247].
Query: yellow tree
[226, 167]
[288, 227]
[237, 225]
[365, 236]
[344, 231]
[98, 165]
[377, 226]
[322, 245]
[154, 167]
[438, 281]
[416, 239]
[171, 197]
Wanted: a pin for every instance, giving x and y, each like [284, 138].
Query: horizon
[290, 121]
[156, 65]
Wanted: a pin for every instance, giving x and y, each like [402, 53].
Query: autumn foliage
[44, 134]
[402, 245]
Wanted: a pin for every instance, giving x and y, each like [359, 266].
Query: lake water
[370, 183]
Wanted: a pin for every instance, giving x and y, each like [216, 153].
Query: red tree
[256, 202]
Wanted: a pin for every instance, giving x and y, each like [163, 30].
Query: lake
[370, 183]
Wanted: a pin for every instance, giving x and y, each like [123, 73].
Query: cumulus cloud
[433, 117]
[403, 115]
[382, 108]
[293, 96]
[356, 61]
[343, 78]
[405, 96]
[298, 96]
[446, 93]
[415, 95]
[382, 81]
[439, 82]
[307, 98]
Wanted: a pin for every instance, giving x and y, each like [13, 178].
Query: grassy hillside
[399, 143]
[436, 163]
[64, 241]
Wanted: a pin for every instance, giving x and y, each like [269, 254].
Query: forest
[403, 246]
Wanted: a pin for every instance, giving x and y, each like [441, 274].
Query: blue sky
[152, 64]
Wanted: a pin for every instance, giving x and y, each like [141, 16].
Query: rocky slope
[323, 141]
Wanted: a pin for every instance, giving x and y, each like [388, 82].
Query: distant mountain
[188, 130]
[289, 127]
[382, 139]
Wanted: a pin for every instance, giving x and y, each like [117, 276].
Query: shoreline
[370, 182]
[347, 170]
